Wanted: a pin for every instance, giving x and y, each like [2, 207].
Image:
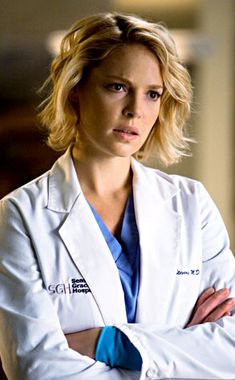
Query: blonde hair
[92, 39]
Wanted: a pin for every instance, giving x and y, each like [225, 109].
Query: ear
[74, 95]
[74, 100]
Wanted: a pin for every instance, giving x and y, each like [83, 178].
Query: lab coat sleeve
[205, 351]
[32, 344]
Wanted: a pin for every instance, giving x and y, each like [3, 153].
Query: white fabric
[57, 276]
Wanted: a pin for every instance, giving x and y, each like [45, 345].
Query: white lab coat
[57, 276]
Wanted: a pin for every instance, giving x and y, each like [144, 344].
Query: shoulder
[190, 196]
[185, 194]
[26, 196]
[56, 189]
[163, 180]
[190, 199]
[31, 193]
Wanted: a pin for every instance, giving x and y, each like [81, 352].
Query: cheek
[153, 115]
[107, 113]
[89, 112]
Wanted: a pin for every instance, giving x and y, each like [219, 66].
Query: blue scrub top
[113, 347]
[126, 254]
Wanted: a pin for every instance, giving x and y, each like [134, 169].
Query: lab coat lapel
[85, 242]
[159, 230]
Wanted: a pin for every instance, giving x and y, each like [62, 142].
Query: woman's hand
[84, 341]
[211, 306]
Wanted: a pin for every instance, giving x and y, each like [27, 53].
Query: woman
[101, 240]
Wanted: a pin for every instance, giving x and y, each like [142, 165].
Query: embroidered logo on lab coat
[76, 285]
[191, 272]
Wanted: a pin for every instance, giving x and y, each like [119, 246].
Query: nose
[133, 107]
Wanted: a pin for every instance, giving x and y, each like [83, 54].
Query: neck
[102, 176]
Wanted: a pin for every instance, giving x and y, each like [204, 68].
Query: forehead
[130, 61]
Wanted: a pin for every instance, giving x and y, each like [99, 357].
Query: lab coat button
[152, 373]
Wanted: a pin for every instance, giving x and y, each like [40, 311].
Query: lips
[126, 134]
[129, 130]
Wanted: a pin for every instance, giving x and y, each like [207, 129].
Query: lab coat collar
[153, 182]
[63, 187]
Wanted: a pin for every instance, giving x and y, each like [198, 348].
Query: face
[119, 102]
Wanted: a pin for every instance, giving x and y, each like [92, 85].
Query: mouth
[127, 134]
[128, 131]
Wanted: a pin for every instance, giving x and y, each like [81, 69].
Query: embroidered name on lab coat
[191, 272]
[76, 285]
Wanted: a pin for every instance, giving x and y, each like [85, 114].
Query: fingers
[212, 302]
[203, 297]
[211, 306]
[221, 311]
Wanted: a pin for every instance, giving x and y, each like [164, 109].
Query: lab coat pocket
[76, 307]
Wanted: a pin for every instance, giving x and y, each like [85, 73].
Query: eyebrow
[118, 77]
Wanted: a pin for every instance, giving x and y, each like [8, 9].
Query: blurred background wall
[205, 35]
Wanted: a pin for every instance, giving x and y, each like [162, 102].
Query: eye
[154, 95]
[117, 87]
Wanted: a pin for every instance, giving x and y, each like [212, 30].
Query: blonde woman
[110, 269]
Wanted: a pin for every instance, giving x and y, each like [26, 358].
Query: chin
[124, 154]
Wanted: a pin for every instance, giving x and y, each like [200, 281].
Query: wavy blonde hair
[88, 42]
